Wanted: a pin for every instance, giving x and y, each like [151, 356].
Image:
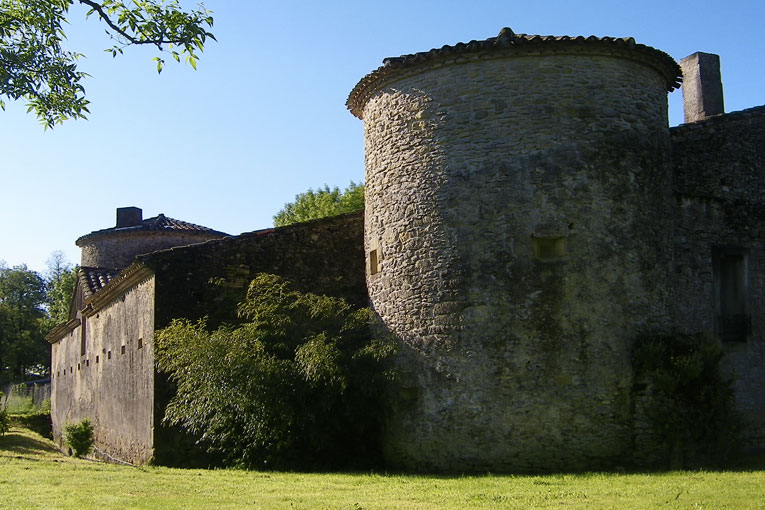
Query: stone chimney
[129, 216]
[702, 86]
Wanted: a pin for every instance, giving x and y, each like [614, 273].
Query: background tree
[59, 285]
[35, 66]
[321, 203]
[23, 348]
[298, 385]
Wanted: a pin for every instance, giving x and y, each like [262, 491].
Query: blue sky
[263, 118]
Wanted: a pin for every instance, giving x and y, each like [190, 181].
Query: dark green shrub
[79, 437]
[5, 423]
[298, 385]
[691, 403]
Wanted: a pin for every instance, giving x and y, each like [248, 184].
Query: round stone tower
[517, 233]
[116, 247]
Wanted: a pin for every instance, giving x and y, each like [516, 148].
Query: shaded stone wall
[118, 250]
[516, 210]
[112, 383]
[322, 256]
[719, 183]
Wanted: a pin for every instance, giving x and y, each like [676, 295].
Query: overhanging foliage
[298, 385]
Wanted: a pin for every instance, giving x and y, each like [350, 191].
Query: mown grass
[34, 474]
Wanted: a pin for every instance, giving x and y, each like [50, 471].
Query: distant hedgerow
[5, 424]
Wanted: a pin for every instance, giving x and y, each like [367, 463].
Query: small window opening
[87, 362]
[109, 355]
[64, 371]
[140, 343]
[122, 350]
[549, 248]
[733, 323]
[78, 366]
[374, 267]
[96, 359]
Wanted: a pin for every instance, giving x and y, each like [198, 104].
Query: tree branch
[105, 17]
[156, 41]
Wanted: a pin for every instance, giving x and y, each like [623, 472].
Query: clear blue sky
[263, 118]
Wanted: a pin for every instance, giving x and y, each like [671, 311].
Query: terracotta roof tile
[509, 42]
[93, 279]
[159, 223]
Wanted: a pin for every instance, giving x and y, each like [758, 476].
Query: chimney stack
[702, 86]
[129, 216]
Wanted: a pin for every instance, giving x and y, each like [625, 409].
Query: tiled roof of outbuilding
[93, 279]
[159, 223]
[509, 42]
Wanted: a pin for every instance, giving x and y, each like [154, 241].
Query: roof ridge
[505, 41]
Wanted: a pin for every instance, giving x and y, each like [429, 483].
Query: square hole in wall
[374, 263]
[549, 248]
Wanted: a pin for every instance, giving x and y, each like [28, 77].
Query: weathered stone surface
[112, 382]
[519, 208]
[719, 184]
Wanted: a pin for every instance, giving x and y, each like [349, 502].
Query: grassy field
[33, 474]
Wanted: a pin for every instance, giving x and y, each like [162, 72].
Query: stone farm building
[529, 214]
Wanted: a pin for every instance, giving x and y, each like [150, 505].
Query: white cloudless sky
[264, 118]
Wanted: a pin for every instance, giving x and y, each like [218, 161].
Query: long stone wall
[111, 382]
[719, 184]
[322, 256]
[518, 239]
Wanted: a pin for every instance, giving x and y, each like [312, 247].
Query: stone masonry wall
[719, 183]
[322, 256]
[518, 212]
[112, 383]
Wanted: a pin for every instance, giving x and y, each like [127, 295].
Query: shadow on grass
[19, 444]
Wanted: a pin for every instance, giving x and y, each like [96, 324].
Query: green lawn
[33, 474]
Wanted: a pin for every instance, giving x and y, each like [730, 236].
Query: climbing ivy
[690, 402]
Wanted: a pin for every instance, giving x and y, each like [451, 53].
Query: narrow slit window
[122, 350]
[140, 343]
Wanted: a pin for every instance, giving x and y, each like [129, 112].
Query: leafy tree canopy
[22, 323]
[321, 203]
[298, 385]
[35, 66]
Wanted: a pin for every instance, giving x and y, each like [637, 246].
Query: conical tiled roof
[159, 223]
[510, 43]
